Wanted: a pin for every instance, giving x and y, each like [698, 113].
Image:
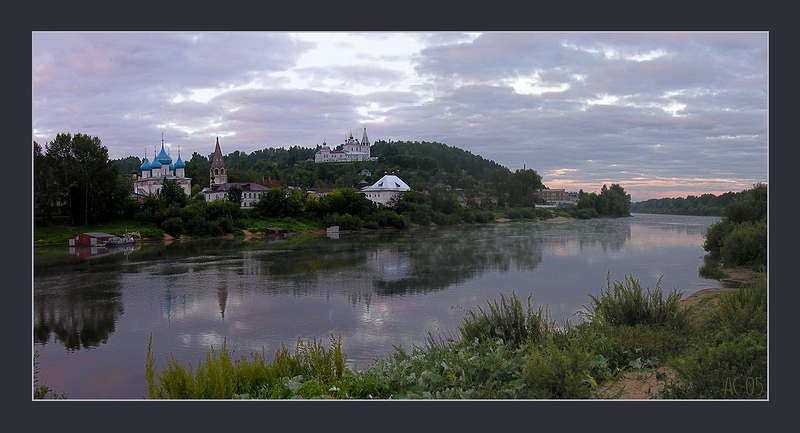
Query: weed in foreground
[629, 304]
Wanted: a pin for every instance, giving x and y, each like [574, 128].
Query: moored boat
[118, 241]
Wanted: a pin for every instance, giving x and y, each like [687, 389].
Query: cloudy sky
[663, 114]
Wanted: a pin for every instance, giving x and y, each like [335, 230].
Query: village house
[385, 189]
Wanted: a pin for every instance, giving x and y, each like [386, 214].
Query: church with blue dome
[154, 173]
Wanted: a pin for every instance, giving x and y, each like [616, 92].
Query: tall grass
[507, 320]
[313, 371]
[629, 304]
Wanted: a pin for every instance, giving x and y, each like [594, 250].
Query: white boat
[118, 241]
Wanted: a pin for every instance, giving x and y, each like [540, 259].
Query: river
[93, 316]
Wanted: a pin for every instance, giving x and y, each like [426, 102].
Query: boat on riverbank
[120, 241]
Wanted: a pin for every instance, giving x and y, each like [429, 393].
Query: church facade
[154, 173]
[352, 150]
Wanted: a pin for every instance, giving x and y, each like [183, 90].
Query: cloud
[657, 112]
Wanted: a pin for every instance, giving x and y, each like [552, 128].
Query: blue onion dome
[179, 163]
[155, 165]
[145, 165]
[162, 157]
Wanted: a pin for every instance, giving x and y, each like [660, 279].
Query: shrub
[559, 372]
[736, 368]
[732, 364]
[744, 309]
[746, 244]
[344, 221]
[629, 304]
[506, 320]
[712, 271]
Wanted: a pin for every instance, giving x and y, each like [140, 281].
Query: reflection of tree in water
[610, 233]
[680, 224]
[400, 261]
[78, 317]
[437, 259]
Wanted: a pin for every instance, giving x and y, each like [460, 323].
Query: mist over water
[93, 317]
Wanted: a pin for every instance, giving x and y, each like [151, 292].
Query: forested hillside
[423, 165]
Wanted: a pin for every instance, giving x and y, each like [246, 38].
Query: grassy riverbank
[709, 346]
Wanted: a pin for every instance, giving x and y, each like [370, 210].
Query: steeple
[218, 174]
[364, 139]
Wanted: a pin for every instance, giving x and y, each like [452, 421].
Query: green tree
[172, 193]
[273, 203]
[521, 188]
[235, 194]
[85, 177]
[46, 192]
[740, 237]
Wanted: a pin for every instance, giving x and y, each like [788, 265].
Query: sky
[662, 114]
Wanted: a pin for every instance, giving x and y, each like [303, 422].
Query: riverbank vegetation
[511, 350]
[740, 237]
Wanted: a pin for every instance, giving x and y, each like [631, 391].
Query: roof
[97, 235]
[389, 182]
[245, 186]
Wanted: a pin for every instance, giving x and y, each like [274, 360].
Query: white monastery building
[352, 150]
[219, 185]
[162, 167]
[385, 189]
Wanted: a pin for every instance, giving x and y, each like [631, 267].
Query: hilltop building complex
[352, 150]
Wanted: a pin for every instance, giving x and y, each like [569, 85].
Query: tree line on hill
[74, 178]
[704, 205]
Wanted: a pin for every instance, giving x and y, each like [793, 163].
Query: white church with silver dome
[154, 173]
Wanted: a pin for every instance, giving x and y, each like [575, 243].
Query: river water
[93, 314]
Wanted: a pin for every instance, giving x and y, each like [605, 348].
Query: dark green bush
[344, 221]
[744, 309]
[746, 244]
[560, 372]
[735, 368]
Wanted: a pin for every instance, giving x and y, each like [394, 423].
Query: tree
[46, 192]
[273, 203]
[85, 178]
[235, 194]
[740, 237]
[172, 193]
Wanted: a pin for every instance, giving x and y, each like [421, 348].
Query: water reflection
[376, 289]
[78, 317]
